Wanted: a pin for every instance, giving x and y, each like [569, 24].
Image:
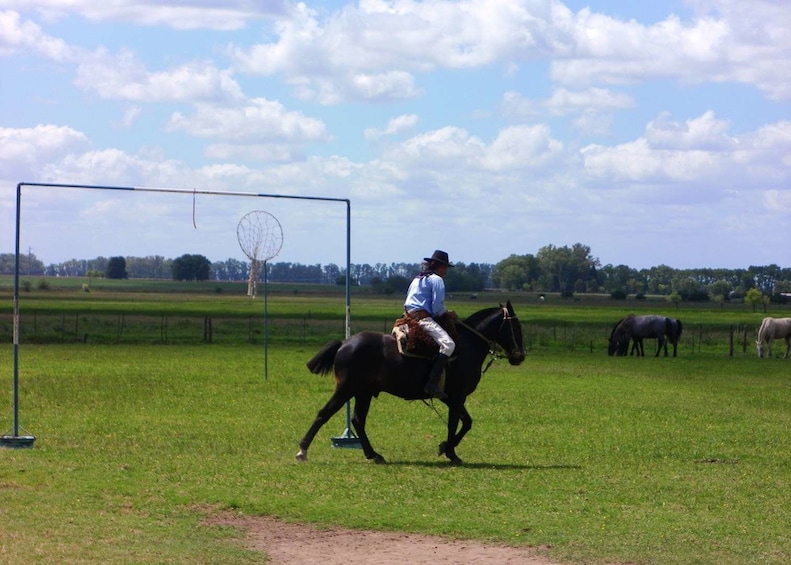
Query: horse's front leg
[362, 403]
[448, 447]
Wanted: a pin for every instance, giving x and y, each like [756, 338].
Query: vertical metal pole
[15, 440]
[348, 268]
[266, 331]
[348, 439]
[16, 311]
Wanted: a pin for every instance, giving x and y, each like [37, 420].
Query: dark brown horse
[369, 363]
[635, 328]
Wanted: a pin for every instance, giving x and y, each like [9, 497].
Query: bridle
[495, 349]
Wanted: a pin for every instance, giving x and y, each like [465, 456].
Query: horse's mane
[481, 315]
[762, 331]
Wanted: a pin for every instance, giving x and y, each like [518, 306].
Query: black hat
[439, 257]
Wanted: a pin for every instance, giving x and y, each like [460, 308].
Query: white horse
[773, 328]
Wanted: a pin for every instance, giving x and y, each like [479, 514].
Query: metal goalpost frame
[14, 439]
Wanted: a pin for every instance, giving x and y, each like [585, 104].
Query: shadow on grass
[486, 466]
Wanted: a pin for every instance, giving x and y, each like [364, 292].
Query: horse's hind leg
[362, 403]
[660, 341]
[327, 411]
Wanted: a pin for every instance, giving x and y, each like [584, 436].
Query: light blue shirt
[427, 293]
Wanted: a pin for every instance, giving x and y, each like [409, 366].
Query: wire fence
[124, 328]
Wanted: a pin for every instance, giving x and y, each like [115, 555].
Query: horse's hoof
[302, 456]
[378, 460]
[443, 447]
[456, 462]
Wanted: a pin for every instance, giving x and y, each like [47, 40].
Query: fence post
[207, 329]
[120, 328]
[730, 342]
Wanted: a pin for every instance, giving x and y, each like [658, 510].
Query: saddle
[413, 341]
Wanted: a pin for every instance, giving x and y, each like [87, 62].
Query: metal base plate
[347, 440]
[16, 441]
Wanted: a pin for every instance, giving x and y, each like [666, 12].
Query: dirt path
[296, 544]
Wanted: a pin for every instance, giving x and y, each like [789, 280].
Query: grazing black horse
[368, 363]
[635, 328]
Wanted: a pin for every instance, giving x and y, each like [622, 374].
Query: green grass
[680, 460]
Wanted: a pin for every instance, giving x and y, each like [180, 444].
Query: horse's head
[759, 345]
[500, 329]
[510, 335]
[620, 336]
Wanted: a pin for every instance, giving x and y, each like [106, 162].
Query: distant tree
[391, 285]
[93, 274]
[116, 268]
[720, 288]
[754, 297]
[28, 264]
[674, 297]
[191, 268]
[230, 270]
[462, 278]
[515, 272]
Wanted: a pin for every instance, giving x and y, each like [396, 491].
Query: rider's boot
[432, 386]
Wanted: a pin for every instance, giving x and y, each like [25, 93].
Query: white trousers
[445, 342]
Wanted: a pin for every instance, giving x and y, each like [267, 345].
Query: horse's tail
[323, 362]
[678, 329]
[670, 330]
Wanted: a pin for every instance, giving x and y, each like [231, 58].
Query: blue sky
[655, 133]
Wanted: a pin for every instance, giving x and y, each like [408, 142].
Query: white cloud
[520, 147]
[258, 120]
[124, 77]
[701, 152]
[16, 35]
[446, 145]
[372, 50]
[778, 200]
[720, 46]
[204, 14]
[703, 133]
[564, 102]
[395, 126]
[130, 117]
[263, 153]
[26, 151]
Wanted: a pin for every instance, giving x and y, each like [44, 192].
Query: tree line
[567, 270]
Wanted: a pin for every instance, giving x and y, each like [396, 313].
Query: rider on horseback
[425, 301]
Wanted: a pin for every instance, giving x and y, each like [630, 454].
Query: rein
[495, 349]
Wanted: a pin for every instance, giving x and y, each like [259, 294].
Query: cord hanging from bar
[194, 224]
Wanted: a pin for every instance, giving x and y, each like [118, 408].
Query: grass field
[598, 459]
